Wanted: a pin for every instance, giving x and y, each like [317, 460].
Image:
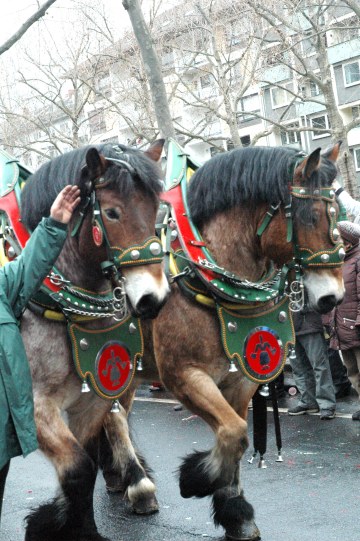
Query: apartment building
[231, 79]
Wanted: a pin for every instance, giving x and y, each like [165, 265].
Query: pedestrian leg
[303, 375]
[352, 362]
[317, 352]
[338, 373]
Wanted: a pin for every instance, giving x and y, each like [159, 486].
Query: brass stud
[134, 254]
[155, 248]
[132, 328]
[232, 326]
[84, 344]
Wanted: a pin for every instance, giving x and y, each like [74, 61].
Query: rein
[58, 292]
[188, 255]
[304, 258]
[255, 317]
[149, 252]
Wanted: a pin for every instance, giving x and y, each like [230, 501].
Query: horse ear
[155, 149]
[333, 152]
[312, 163]
[96, 164]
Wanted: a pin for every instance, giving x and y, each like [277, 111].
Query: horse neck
[82, 273]
[231, 238]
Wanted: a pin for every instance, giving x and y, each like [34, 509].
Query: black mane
[251, 175]
[43, 186]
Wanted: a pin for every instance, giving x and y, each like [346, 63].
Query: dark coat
[18, 282]
[344, 320]
[307, 322]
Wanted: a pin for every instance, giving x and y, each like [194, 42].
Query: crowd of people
[326, 365]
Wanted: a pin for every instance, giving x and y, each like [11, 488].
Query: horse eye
[112, 214]
[312, 220]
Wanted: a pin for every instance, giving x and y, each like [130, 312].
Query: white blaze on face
[140, 282]
[322, 284]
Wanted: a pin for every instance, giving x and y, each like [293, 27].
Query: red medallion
[263, 351]
[97, 234]
[113, 367]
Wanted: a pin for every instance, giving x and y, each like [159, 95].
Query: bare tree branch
[25, 27]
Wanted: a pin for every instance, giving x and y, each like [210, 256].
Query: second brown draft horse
[244, 203]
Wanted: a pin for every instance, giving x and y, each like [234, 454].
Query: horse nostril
[148, 307]
[327, 303]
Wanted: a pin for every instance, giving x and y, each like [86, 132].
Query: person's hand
[65, 203]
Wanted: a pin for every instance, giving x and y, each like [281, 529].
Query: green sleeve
[22, 277]
[342, 212]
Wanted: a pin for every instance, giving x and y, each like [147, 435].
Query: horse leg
[123, 467]
[215, 472]
[112, 473]
[230, 508]
[70, 515]
[234, 513]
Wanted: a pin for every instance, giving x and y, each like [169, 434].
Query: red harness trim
[9, 204]
[191, 245]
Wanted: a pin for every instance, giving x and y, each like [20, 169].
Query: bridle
[148, 253]
[76, 302]
[304, 258]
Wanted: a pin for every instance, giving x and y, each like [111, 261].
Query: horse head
[308, 221]
[120, 190]
[259, 208]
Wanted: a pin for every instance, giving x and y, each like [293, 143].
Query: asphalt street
[314, 494]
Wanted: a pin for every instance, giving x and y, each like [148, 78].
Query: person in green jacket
[19, 280]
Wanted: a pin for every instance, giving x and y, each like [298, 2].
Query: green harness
[255, 317]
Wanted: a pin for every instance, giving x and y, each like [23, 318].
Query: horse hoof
[247, 531]
[146, 505]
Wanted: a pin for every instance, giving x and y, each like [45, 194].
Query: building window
[279, 96]
[114, 140]
[320, 122]
[103, 85]
[238, 33]
[247, 106]
[357, 158]
[314, 89]
[352, 73]
[307, 43]
[245, 140]
[214, 151]
[355, 112]
[167, 58]
[289, 137]
[205, 81]
[97, 122]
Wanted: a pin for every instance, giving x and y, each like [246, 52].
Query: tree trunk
[152, 68]
[338, 130]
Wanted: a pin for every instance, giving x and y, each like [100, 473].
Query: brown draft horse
[121, 187]
[228, 199]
